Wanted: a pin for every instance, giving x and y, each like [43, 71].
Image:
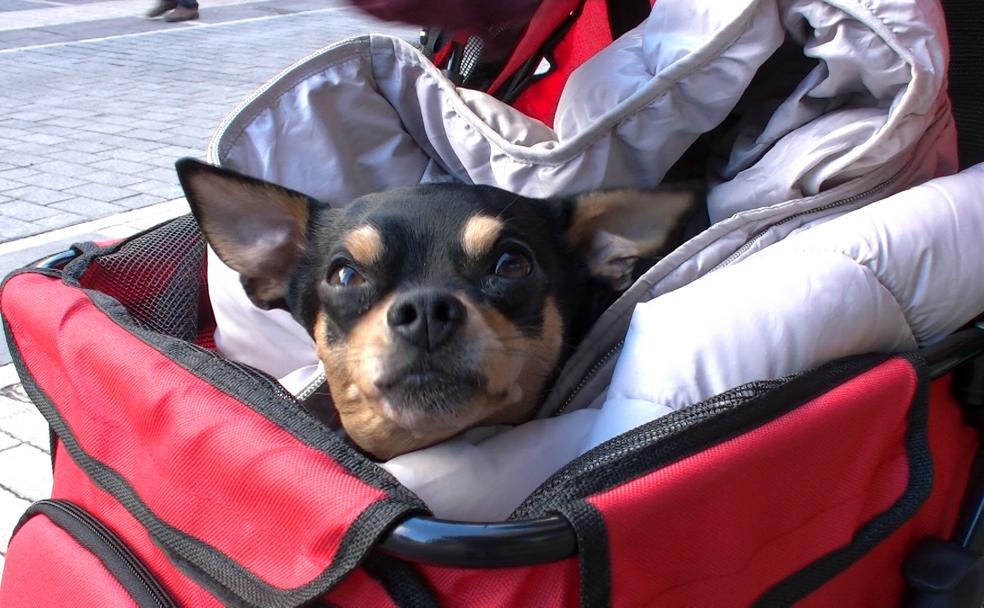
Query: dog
[437, 307]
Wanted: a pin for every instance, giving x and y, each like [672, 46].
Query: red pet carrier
[180, 479]
[184, 479]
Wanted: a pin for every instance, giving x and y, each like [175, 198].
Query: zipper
[727, 262]
[109, 539]
[731, 259]
[588, 375]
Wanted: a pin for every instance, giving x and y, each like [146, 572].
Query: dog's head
[435, 307]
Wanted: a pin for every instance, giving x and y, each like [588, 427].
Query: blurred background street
[96, 104]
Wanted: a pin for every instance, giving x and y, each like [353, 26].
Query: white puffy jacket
[836, 104]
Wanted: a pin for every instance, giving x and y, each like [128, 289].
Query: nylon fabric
[876, 579]
[740, 516]
[291, 528]
[45, 566]
[550, 586]
[71, 483]
[587, 36]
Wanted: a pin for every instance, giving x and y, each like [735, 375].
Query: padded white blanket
[800, 266]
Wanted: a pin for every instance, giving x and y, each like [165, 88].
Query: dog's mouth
[428, 389]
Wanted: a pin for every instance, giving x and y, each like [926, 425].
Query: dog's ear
[257, 228]
[615, 228]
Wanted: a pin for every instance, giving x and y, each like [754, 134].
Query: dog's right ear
[257, 228]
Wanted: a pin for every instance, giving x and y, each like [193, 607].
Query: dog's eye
[513, 265]
[344, 275]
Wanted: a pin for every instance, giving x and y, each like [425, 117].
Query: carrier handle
[548, 539]
[56, 260]
[481, 545]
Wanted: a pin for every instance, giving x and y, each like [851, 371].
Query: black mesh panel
[159, 276]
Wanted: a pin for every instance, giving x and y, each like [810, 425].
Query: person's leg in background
[176, 10]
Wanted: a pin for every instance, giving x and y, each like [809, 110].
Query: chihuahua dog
[438, 307]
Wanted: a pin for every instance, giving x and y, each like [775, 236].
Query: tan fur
[644, 218]
[365, 244]
[280, 215]
[614, 229]
[479, 235]
[516, 367]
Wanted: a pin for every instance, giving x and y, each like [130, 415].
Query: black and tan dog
[437, 307]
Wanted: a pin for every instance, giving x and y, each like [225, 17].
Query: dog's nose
[426, 318]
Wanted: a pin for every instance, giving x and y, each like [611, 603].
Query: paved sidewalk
[96, 104]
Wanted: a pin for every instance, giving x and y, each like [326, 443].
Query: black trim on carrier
[810, 578]
[594, 573]
[401, 581]
[100, 541]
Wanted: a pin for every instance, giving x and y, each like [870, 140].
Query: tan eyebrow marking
[479, 235]
[365, 244]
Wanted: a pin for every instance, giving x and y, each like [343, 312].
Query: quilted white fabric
[835, 104]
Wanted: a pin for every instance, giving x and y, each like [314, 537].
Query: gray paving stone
[145, 100]
[22, 159]
[64, 122]
[100, 192]
[87, 207]
[19, 173]
[39, 137]
[29, 147]
[120, 166]
[61, 167]
[36, 194]
[61, 220]
[68, 155]
[135, 202]
[29, 427]
[166, 190]
[135, 156]
[13, 400]
[112, 178]
[11, 228]
[11, 509]
[8, 441]
[55, 181]
[28, 212]
[110, 128]
[86, 146]
[26, 472]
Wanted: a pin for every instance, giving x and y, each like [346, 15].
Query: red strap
[545, 21]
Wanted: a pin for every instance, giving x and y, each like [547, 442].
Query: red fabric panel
[71, 483]
[876, 579]
[721, 527]
[542, 586]
[358, 590]
[548, 16]
[275, 505]
[589, 34]
[45, 566]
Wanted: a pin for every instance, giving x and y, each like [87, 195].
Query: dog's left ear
[257, 228]
[615, 228]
